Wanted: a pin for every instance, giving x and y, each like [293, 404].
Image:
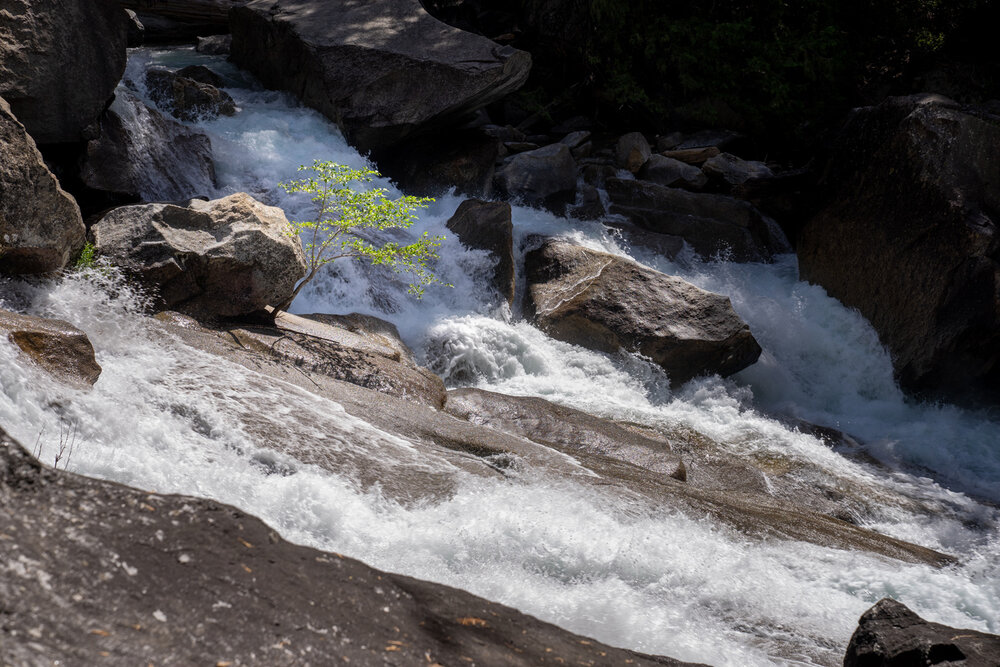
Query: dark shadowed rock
[215, 45]
[135, 31]
[163, 160]
[909, 237]
[731, 170]
[890, 635]
[382, 70]
[545, 176]
[57, 347]
[202, 74]
[692, 156]
[225, 257]
[185, 98]
[668, 171]
[487, 226]
[605, 302]
[60, 63]
[205, 12]
[433, 164]
[710, 223]
[40, 224]
[632, 151]
[194, 582]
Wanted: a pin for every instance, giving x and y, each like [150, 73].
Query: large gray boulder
[40, 225]
[382, 70]
[55, 346]
[223, 257]
[487, 226]
[141, 154]
[891, 635]
[709, 223]
[60, 62]
[607, 303]
[910, 238]
[545, 176]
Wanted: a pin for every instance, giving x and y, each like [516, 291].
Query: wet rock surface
[55, 90]
[487, 226]
[40, 224]
[709, 223]
[55, 346]
[910, 239]
[223, 257]
[381, 70]
[482, 450]
[179, 580]
[165, 161]
[607, 303]
[189, 97]
[891, 635]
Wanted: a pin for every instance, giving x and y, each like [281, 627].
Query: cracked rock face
[223, 257]
[606, 303]
[93, 572]
[382, 70]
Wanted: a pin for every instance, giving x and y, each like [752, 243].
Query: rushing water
[166, 417]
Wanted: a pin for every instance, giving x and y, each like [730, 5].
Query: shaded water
[173, 419]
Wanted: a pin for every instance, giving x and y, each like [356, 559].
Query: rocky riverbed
[624, 417]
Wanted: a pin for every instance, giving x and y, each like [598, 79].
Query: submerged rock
[487, 226]
[60, 63]
[40, 224]
[191, 581]
[56, 346]
[890, 635]
[605, 302]
[382, 70]
[565, 429]
[711, 224]
[143, 155]
[188, 98]
[223, 257]
[910, 238]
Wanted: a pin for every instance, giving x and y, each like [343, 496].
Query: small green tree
[341, 214]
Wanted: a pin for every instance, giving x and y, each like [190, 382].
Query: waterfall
[595, 560]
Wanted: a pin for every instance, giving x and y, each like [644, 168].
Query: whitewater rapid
[169, 418]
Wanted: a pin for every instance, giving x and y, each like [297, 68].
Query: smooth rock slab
[224, 257]
[382, 70]
[606, 303]
[177, 580]
[40, 224]
[57, 347]
[891, 635]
